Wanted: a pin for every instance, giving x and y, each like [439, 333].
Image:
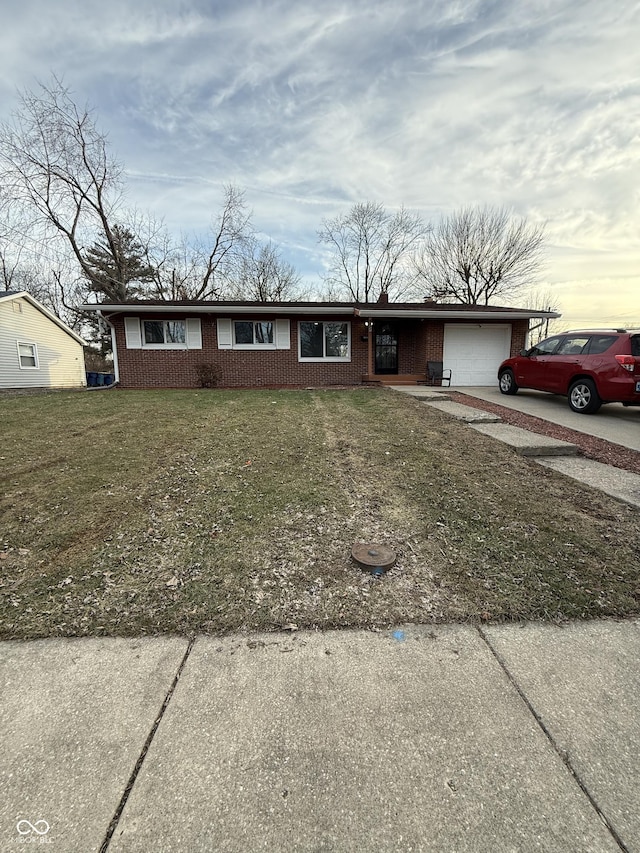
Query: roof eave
[332, 310]
[268, 308]
[452, 314]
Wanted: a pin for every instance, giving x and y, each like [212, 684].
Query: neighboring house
[37, 350]
[165, 344]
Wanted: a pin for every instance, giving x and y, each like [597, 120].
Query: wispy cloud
[312, 107]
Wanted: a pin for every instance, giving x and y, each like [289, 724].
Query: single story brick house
[168, 344]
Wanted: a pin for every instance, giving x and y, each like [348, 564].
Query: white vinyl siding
[59, 357]
[228, 335]
[169, 333]
[473, 352]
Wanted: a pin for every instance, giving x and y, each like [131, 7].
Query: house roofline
[23, 294]
[264, 308]
[323, 309]
[452, 314]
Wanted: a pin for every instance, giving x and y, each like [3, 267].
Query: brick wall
[434, 343]
[157, 368]
[419, 341]
[519, 330]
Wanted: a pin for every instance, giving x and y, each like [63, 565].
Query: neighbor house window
[253, 333]
[27, 355]
[324, 341]
[164, 332]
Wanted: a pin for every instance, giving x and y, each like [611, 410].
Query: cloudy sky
[313, 106]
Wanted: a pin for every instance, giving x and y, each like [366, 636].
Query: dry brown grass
[145, 512]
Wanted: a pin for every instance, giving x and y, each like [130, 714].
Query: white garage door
[473, 352]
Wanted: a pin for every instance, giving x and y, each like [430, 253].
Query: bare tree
[56, 166]
[478, 254]
[370, 251]
[203, 267]
[264, 276]
[214, 262]
[543, 300]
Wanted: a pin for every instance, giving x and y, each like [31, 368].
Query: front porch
[395, 379]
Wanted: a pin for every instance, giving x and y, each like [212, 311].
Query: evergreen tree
[116, 267]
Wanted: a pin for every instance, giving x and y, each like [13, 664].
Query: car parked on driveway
[589, 367]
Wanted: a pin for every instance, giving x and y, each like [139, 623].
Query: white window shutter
[194, 333]
[132, 332]
[283, 334]
[225, 340]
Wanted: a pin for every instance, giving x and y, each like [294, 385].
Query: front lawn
[136, 513]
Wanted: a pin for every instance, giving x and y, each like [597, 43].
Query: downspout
[533, 328]
[114, 350]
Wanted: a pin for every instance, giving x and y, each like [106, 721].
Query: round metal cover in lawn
[373, 558]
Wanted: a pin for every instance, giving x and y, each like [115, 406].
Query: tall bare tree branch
[478, 254]
[370, 250]
[55, 163]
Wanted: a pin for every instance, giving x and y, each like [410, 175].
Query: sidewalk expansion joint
[561, 753]
[134, 775]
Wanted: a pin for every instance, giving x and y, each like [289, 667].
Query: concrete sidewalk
[426, 738]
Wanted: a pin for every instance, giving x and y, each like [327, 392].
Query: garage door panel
[474, 352]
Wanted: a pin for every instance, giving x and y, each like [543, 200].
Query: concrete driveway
[613, 422]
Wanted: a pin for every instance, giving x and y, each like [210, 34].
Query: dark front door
[386, 340]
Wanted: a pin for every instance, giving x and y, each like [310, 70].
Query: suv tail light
[626, 361]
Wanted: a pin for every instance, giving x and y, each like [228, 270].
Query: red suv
[589, 367]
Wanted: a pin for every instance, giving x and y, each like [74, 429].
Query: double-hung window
[324, 341]
[27, 355]
[163, 332]
[253, 333]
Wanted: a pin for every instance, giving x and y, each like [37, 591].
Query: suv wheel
[583, 397]
[508, 384]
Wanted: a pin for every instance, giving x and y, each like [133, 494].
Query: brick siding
[419, 341]
[519, 332]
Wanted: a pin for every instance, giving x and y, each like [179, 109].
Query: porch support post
[370, 349]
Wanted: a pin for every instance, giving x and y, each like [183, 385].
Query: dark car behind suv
[589, 367]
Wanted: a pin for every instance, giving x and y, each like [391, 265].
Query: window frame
[34, 347]
[166, 344]
[594, 349]
[534, 351]
[325, 358]
[254, 345]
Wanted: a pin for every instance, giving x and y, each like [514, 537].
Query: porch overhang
[389, 313]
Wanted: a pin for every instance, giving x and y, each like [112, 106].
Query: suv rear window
[572, 346]
[600, 343]
[635, 345]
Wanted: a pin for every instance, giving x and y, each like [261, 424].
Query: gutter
[387, 312]
[456, 315]
[114, 350]
[269, 308]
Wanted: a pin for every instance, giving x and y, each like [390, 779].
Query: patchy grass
[145, 512]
